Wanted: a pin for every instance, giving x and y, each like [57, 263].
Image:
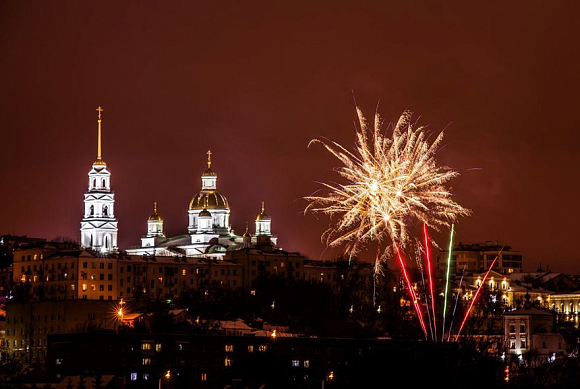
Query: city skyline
[508, 113]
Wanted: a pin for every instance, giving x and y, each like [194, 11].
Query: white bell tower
[99, 225]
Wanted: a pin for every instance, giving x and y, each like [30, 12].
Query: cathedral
[209, 233]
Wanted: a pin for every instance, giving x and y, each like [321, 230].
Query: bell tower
[99, 225]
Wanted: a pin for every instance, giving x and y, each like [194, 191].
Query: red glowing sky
[255, 82]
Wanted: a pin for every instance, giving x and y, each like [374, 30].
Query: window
[84, 287]
[295, 363]
[84, 265]
[101, 288]
[512, 328]
[133, 376]
[147, 361]
[110, 288]
[183, 272]
[101, 265]
[101, 277]
[110, 277]
[522, 328]
[203, 376]
[158, 347]
[110, 265]
[263, 348]
[146, 346]
[229, 348]
[513, 344]
[523, 343]
[227, 362]
[251, 348]
[306, 363]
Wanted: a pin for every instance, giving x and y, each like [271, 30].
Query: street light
[167, 376]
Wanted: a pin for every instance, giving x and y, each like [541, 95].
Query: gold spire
[99, 160]
[99, 110]
[209, 159]
[262, 206]
[155, 207]
[247, 233]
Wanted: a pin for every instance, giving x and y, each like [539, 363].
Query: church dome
[208, 172]
[209, 199]
[154, 216]
[263, 216]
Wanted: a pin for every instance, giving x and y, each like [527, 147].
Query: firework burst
[390, 184]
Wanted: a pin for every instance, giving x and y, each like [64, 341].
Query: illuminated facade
[209, 233]
[478, 257]
[99, 225]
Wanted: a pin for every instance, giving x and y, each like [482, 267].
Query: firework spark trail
[390, 183]
[429, 274]
[411, 290]
[426, 297]
[477, 293]
[456, 301]
[447, 281]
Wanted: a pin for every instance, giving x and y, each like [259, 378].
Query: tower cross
[99, 110]
[209, 159]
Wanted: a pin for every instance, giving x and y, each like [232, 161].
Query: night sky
[254, 82]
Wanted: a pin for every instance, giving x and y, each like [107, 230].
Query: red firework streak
[428, 256]
[477, 293]
[411, 291]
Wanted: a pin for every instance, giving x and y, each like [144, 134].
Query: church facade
[209, 232]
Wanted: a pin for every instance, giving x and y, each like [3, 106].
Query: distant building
[29, 323]
[531, 329]
[478, 257]
[209, 233]
[99, 224]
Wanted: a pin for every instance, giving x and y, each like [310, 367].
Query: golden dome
[262, 216]
[208, 199]
[155, 216]
[99, 162]
[208, 172]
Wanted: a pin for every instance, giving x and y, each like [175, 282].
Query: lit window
[93, 287]
[183, 272]
[133, 376]
[306, 363]
[158, 347]
[227, 362]
[250, 348]
[203, 376]
[262, 348]
[146, 346]
[84, 287]
[146, 376]
[72, 286]
[229, 348]
[147, 361]
[295, 363]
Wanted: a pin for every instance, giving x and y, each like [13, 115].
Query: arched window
[92, 212]
[104, 186]
[94, 182]
[107, 241]
[105, 211]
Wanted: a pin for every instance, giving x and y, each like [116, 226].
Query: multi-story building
[50, 272]
[29, 323]
[478, 258]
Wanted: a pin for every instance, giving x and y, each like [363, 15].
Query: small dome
[154, 216]
[208, 172]
[208, 199]
[263, 216]
[205, 213]
[99, 162]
